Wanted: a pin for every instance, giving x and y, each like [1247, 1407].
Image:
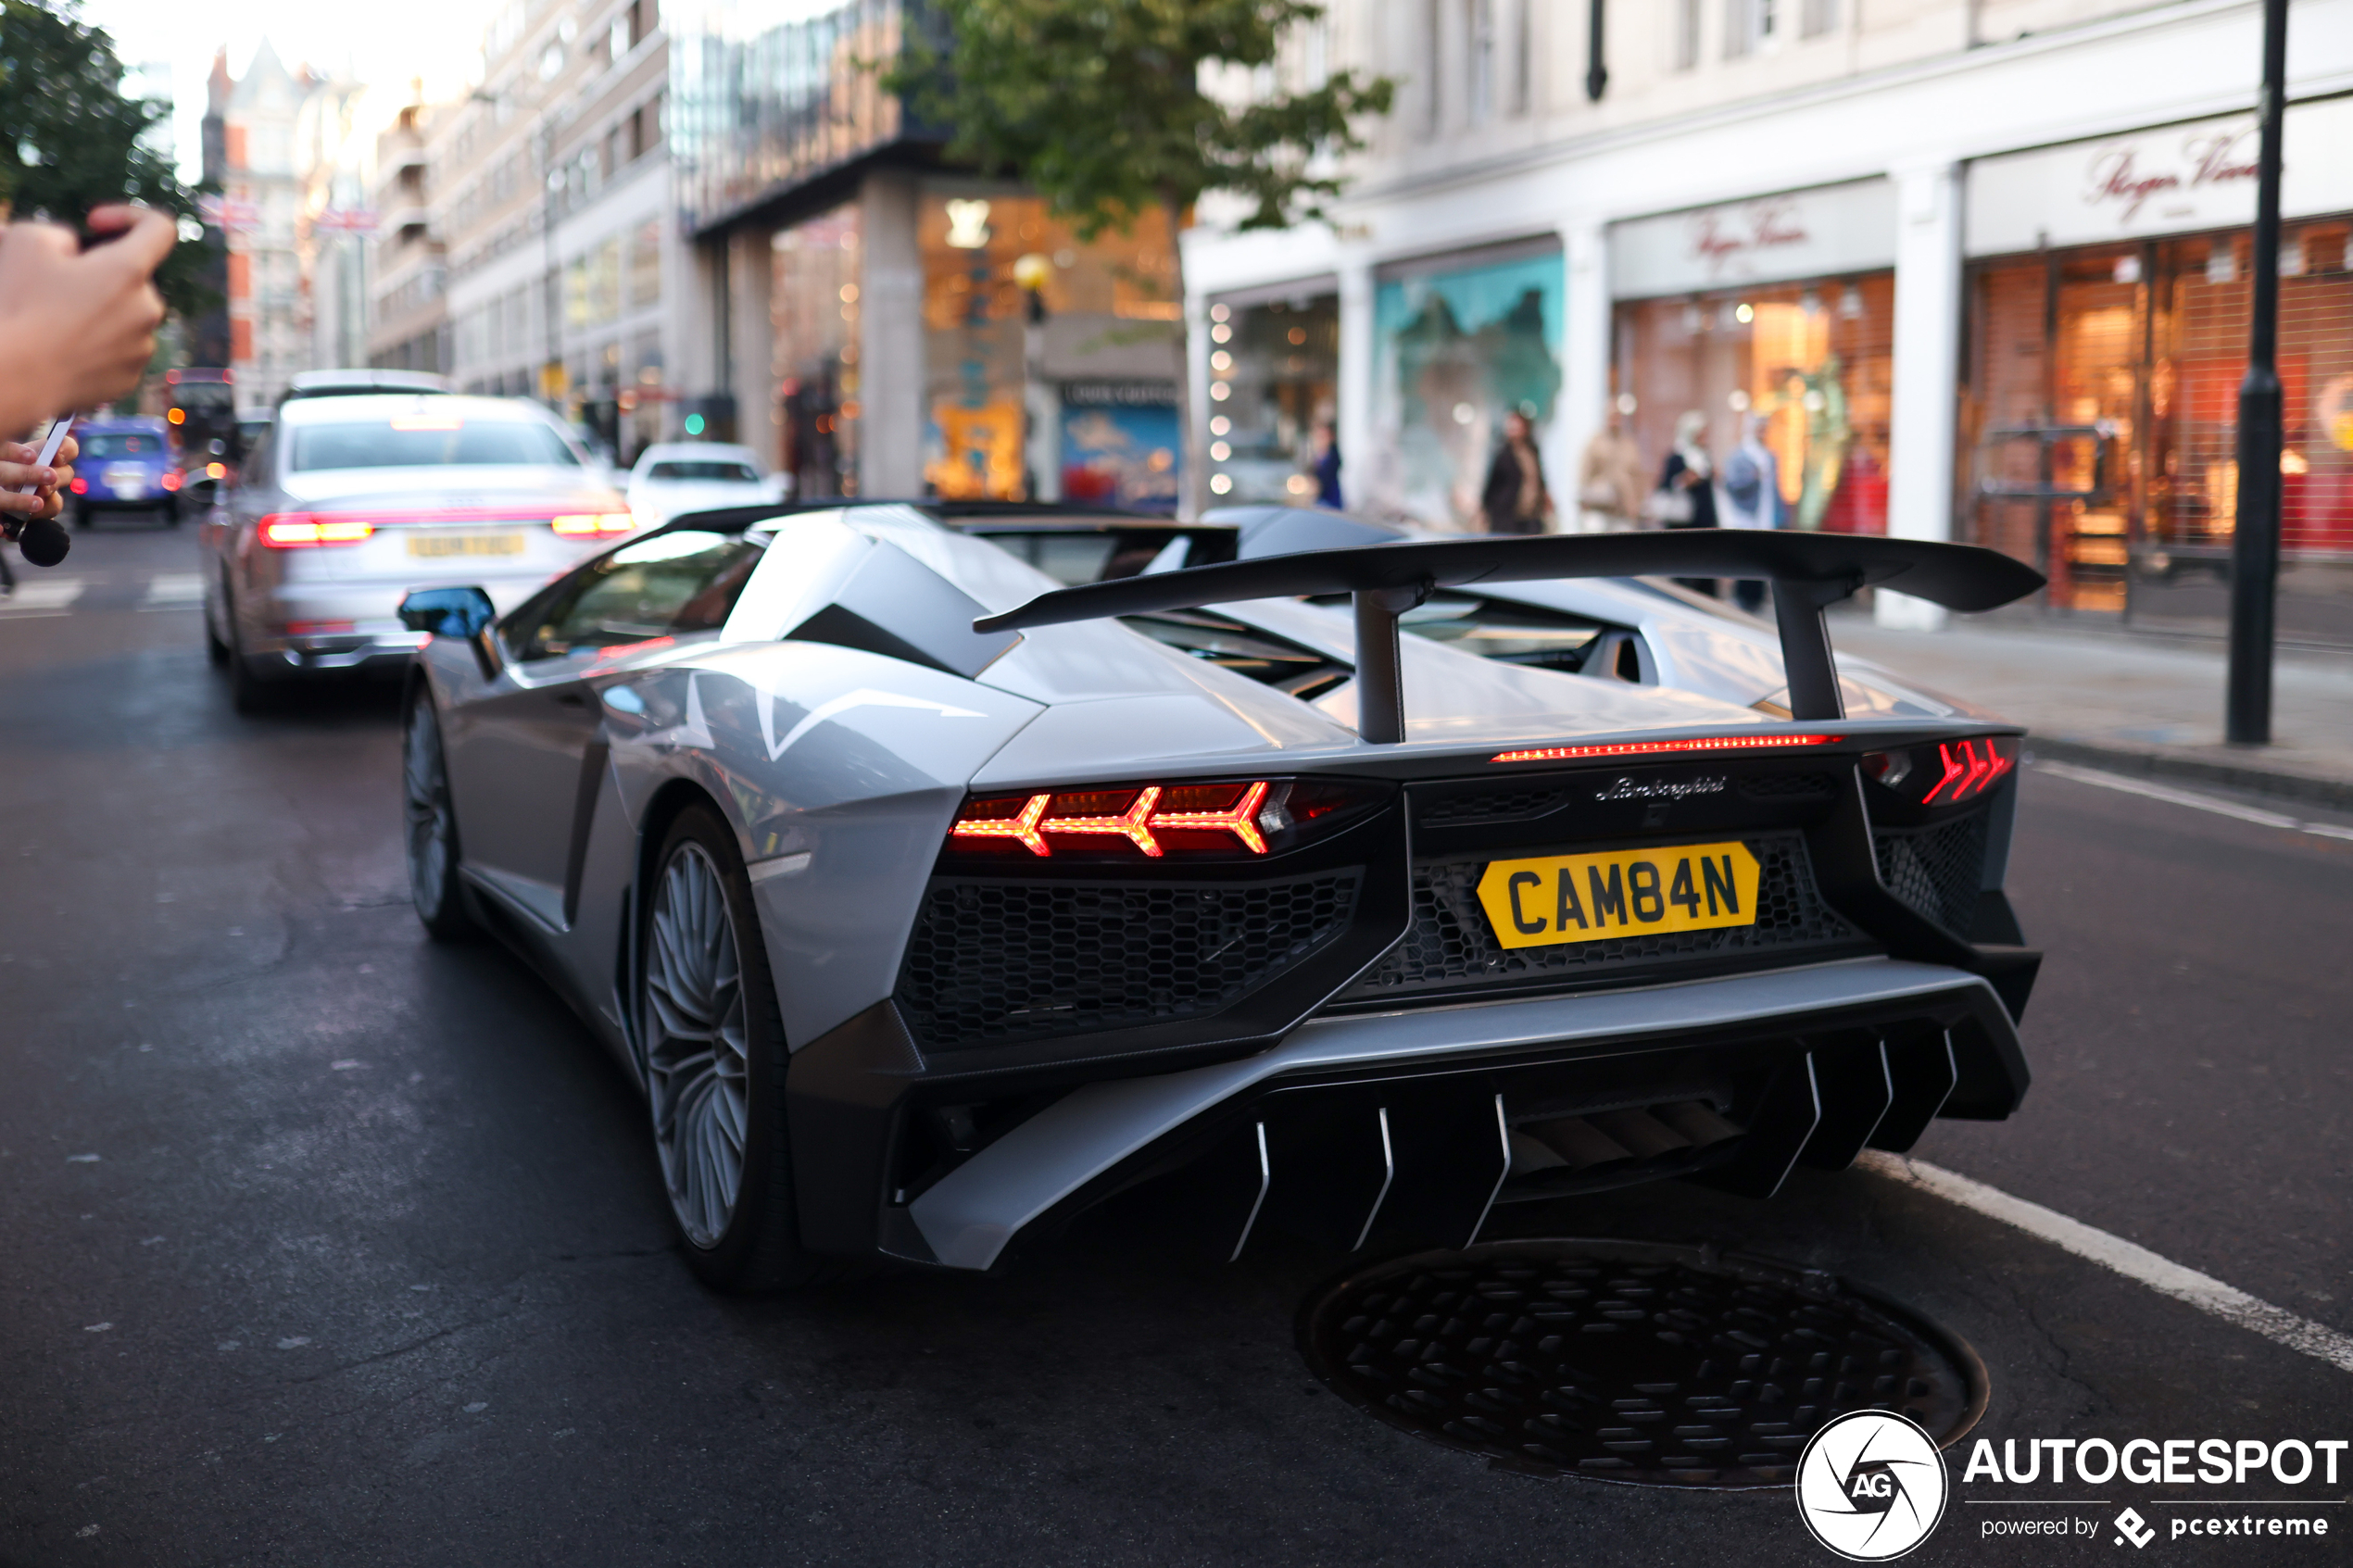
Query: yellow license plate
[1542, 903]
[465, 544]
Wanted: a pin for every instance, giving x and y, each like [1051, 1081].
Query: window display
[1278, 364]
[1813, 361]
[2101, 421]
[1106, 309]
[1457, 346]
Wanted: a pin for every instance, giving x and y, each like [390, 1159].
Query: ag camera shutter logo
[1871, 1485]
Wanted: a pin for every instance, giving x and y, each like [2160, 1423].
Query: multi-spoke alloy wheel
[431, 828]
[713, 1041]
[697, 1053]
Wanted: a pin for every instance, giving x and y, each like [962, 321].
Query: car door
[529, 752]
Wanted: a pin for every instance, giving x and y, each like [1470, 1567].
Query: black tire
[249, 693]
[78, 517]
[214, 648]
[428, 827]
[758, 1247]
[171, 513]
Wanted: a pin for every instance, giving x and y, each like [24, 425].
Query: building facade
[1970, 270]
[260, 209]
[549, 197]
[875, 324]
[408, 277]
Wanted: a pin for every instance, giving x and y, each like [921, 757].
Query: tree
[1100, 107]
[70, 141]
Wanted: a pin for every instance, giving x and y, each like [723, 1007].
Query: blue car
[125, 464]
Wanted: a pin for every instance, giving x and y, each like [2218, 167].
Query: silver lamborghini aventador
[931, 902]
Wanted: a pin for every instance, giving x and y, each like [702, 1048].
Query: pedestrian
[1513, 499]
[1609, 477]
[1752, 498]
[1686, 494]
[1326, 465]
[80, 324]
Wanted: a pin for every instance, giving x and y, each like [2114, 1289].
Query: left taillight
[1947, 772]
[1229, 819]
[293, 531]
[578, 525]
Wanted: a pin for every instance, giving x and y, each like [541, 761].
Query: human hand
[27, 488]
[79, 326]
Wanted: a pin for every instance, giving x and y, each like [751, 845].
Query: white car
[345, 503]
[675, 477]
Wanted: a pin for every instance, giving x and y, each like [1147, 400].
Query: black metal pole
[2254, 546]
[1596, 68]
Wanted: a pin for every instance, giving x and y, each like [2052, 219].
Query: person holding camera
[81, 329]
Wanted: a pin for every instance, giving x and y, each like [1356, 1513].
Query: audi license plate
[1557, 899]
[465, 544]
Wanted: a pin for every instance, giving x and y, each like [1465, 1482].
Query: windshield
[122, 445]
[426, 440]
[704, 469]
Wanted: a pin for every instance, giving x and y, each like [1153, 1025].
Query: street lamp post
[2255, 544]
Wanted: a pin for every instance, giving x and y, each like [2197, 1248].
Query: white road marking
[2129, 1259]
[169, 590]
[2194, 801]
[41, 595]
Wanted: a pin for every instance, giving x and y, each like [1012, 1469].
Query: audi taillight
[171, 479]
[1946, 773]
[1234, 819]
[592, 524]
[290, 531]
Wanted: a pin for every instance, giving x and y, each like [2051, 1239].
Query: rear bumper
[1397, 1124]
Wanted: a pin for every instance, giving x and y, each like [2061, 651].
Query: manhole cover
[1630, 1361]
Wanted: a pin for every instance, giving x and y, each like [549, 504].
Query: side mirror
[447, 612]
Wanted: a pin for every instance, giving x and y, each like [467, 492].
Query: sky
[384, 45]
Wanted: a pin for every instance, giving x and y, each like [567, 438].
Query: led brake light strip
[1662, 748]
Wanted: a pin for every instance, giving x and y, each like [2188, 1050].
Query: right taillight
[1946, 772]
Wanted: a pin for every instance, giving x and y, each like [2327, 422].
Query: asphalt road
[324, 1245]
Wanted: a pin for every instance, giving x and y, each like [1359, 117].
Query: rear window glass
[424, 442]
[121, 445]
[702, 470]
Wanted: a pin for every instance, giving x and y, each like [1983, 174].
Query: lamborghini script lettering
[1676, 789]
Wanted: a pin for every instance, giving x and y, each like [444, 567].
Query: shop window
[815, 308]
[1085, 394]
[2103, 410]
[1457, 347]
[1812, 363]
[1279, 362]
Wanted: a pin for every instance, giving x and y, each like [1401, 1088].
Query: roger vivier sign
[2172, 180]
[1820, 233]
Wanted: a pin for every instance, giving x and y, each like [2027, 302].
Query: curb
[2250, 775]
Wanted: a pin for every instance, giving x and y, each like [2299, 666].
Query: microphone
[42, 543]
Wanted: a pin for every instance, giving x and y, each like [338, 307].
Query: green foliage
[69, 139]
[1098, 103]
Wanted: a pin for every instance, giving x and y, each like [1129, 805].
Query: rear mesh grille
[1452, 948]
[995, 963]
[1497, 806]
[1937, 869]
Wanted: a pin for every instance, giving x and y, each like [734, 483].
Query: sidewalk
[2134, 704]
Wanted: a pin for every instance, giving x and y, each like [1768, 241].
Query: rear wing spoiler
[1809, 572]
